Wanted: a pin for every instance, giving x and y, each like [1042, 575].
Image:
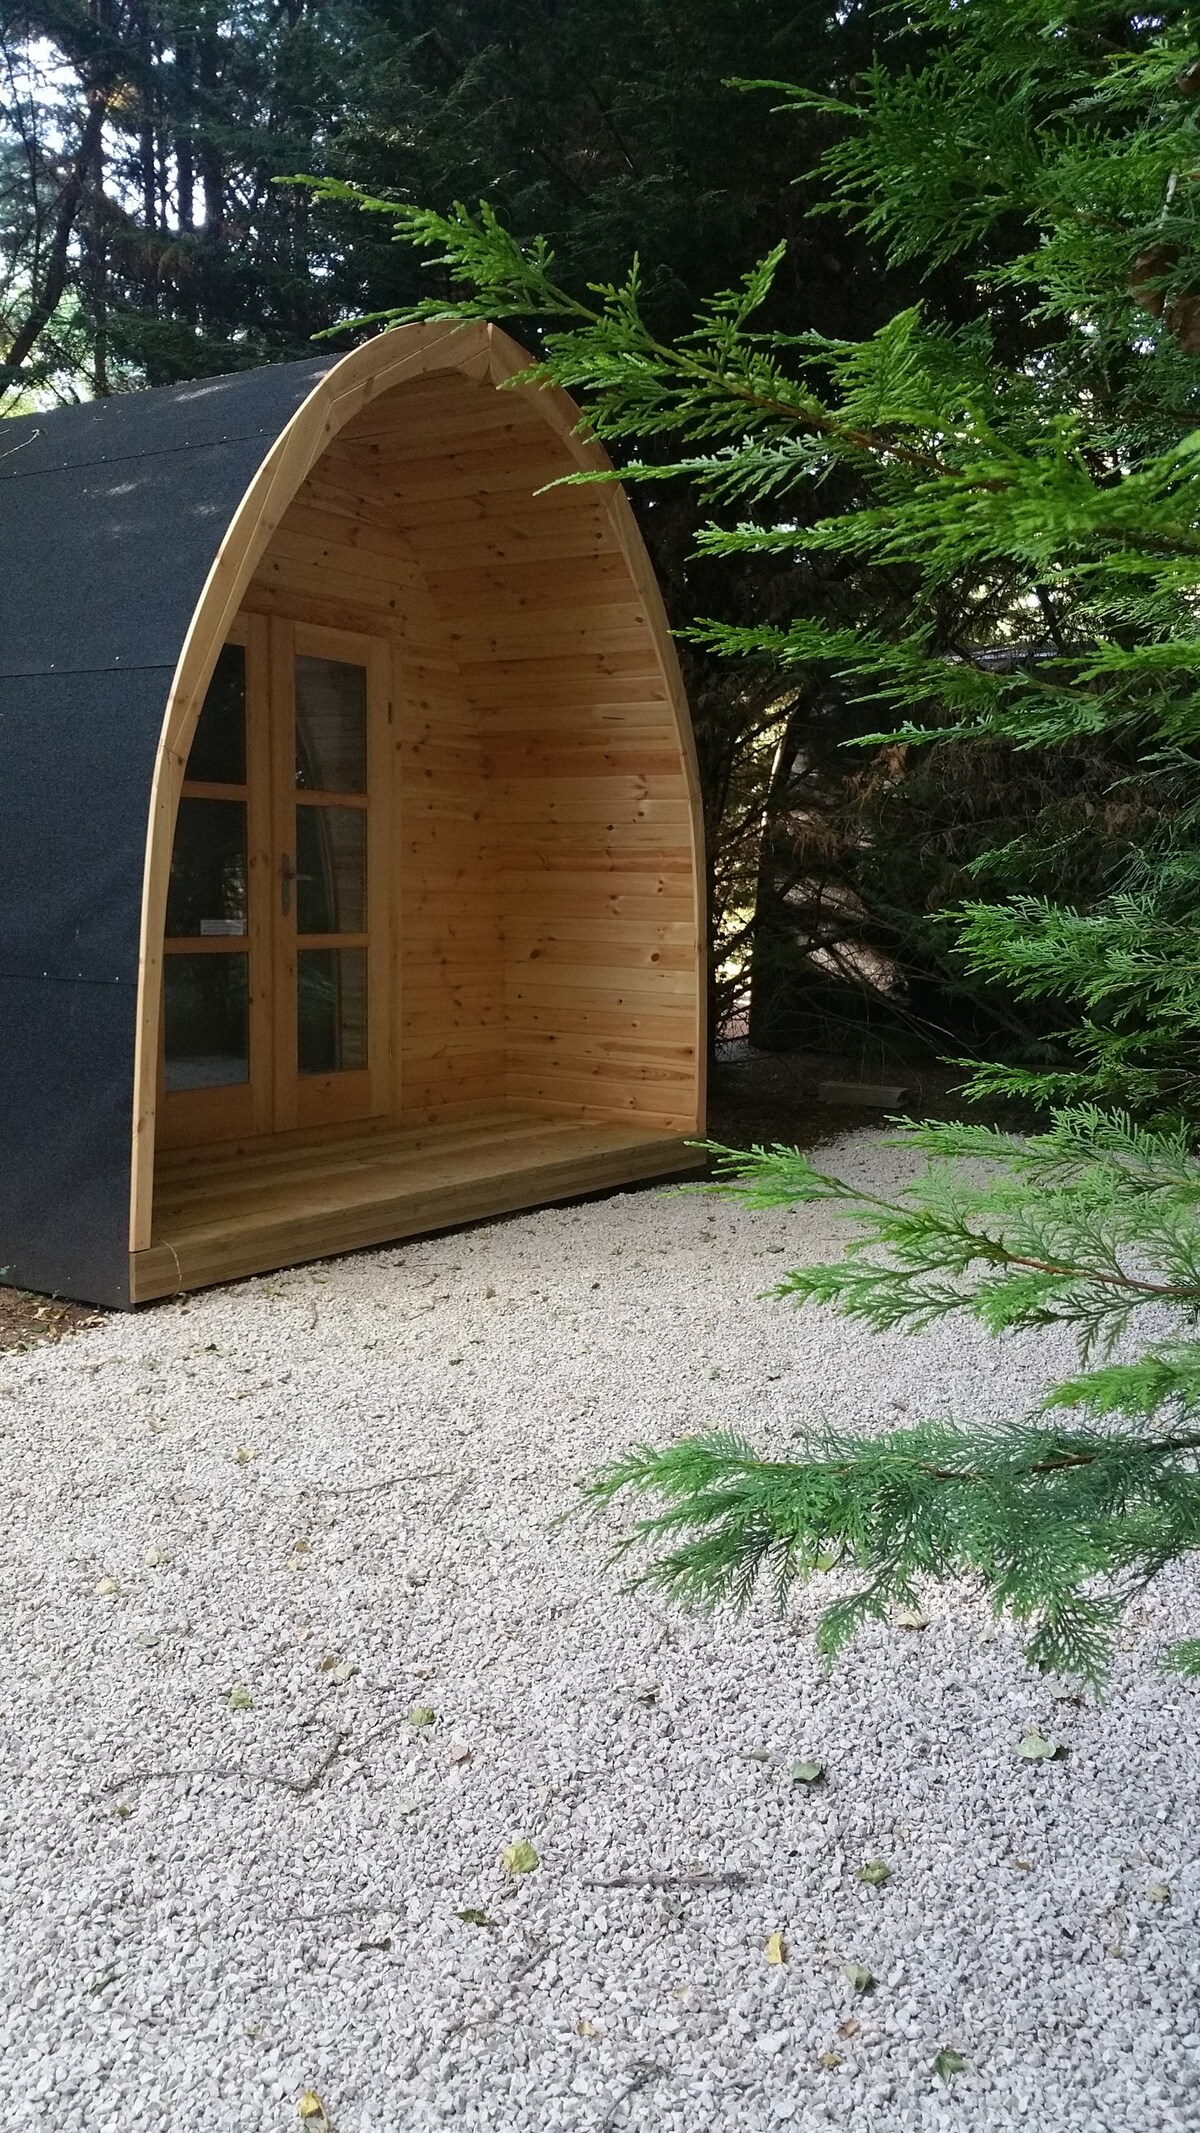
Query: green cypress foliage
[1039, 469]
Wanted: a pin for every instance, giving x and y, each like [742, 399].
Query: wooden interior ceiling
[546, 920]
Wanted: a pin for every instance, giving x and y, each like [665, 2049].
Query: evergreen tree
[1035, 473]
[609, 125]
[144, 238]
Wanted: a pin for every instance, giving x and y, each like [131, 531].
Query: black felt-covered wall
[110, 517]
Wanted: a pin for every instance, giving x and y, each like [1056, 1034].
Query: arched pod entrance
[529, 977]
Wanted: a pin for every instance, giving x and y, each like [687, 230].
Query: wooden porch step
[225, 1213]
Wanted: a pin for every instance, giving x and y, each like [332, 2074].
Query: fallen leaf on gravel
[406, 1805]
[122, 1810]
[1159, 1892]
[1035, 1747]
[154, 1557]
[948, 2064]
[828, 1559]
[807, 1773]
[461, 1751]
[874, 1872]
[344, 1671]
[240, 1698]
[858, 1976]
[311, 2109]
[243, 1455]
[421, 1716]
[910, 1618]
[828, 2060]
[584, 2028]
[107, 1589]
[520, 1858]
[472, 1917]
[776, 1949]
[849, 2028]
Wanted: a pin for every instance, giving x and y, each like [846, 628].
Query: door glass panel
[331, 870]
[331, 1034]
[331, 726]
[218, 750]
[206, 1024]
[207, 892]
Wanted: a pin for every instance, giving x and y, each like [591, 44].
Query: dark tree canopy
[145, 237]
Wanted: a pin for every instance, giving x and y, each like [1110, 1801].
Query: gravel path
[209, 1910]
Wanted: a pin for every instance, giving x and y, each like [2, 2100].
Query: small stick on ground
[642, 2077]
[666, 1878]
[299, 1785]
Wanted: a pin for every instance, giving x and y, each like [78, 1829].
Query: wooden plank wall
[546, 910]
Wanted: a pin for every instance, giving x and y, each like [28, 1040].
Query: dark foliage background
[144, 238]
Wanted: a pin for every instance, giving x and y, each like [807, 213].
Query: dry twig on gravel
[667, 1878]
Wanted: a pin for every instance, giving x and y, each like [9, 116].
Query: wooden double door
[276, 1001]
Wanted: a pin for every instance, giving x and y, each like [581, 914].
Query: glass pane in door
[331, 1020]
[331, 726]
[207, 892]
[206, 1031]
[218, 751]
[331, 870]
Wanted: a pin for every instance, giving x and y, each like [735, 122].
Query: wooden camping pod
[450, 875]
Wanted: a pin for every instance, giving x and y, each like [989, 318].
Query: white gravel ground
[208, 1910]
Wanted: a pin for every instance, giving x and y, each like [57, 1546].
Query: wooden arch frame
[480, 353]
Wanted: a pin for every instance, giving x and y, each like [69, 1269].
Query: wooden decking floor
[226, 1212]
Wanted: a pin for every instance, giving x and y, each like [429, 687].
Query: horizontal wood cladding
[544, 811]
[528, 583]
[339, 553]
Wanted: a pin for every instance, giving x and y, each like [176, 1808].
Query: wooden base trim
[328, 1200]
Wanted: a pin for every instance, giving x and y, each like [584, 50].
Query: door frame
[344, 1096]
[190, 1118]
[277, 1099]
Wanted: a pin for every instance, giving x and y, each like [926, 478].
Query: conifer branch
[1038, 469]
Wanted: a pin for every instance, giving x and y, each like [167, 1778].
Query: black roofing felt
[66, 1122]
[170, 418]
[74, 751]
[110, 517]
